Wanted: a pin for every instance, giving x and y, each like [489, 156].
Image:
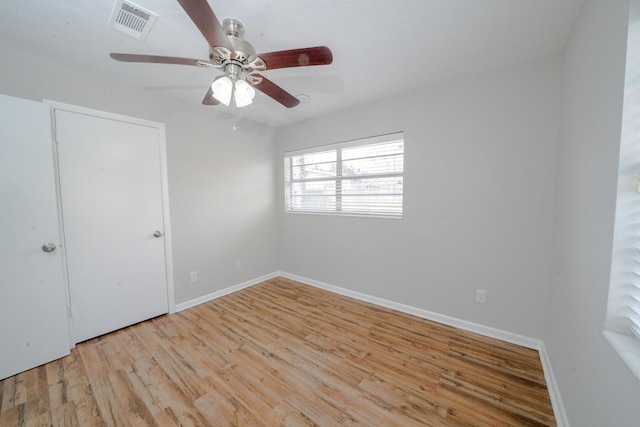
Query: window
[623, 309]
[361, 177]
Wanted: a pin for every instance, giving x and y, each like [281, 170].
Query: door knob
[49, 247]
[157, 233]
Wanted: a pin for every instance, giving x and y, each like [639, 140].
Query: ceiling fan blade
[209, 99]
[202, 15]
[319, 55]
[271, 89]
[133, 57]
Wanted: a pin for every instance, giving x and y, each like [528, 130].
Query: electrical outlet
[481, 295]
[237, 264]
[193, 276]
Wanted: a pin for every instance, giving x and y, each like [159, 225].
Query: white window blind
[361, 177]
[623, 311]
[634, 309]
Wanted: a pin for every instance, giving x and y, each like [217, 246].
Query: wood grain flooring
[283, 353]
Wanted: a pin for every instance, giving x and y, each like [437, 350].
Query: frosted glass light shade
[222, 89]
[244, 93]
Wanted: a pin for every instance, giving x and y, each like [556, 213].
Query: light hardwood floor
[283, 353]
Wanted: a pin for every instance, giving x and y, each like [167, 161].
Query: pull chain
[233, 103]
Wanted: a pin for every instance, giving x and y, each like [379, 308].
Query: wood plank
[37, 396]
[223, 404]
[70, 389]
[65, 415]
[283, 353]
[164, 398]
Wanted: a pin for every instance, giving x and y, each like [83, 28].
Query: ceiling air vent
[132, 20]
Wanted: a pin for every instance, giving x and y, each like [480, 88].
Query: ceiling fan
[233, 55]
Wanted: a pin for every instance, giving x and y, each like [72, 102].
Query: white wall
[479, 196]
[220, 181]
[596, 387]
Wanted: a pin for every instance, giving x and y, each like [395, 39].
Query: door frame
[166, 223]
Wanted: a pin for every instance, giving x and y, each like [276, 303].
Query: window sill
[628, 348]
[356, 215]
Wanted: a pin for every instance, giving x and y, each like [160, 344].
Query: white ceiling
[380, 47]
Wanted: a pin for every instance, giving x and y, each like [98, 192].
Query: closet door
[112, 210]
[33, 311]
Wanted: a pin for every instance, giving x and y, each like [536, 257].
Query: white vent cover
[132, 20]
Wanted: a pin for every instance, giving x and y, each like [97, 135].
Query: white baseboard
[536, 344]
[552, 386]
[223, 292]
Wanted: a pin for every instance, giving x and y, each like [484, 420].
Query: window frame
[339, 178]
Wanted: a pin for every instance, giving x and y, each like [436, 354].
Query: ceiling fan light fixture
[222, 89]
[244, 93]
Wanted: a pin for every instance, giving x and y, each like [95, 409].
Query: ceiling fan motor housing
[242, 49]
[239, 63]
[233, 28]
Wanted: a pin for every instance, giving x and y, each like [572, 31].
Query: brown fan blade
[271, 89]
[132, 57]
[202, 15]
[209, 99]
[320, 55]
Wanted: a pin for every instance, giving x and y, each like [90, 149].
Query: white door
[33, 311]
[111, 191]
